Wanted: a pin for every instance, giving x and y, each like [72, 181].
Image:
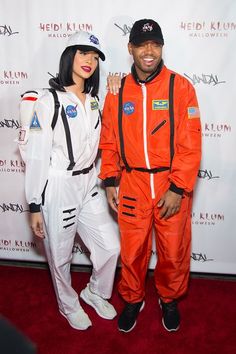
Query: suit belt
[148, 170]
[84, 171]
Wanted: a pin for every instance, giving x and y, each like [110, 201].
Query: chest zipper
[144, 91]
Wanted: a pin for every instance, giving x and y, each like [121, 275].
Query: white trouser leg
[97, 230]
[61, 210]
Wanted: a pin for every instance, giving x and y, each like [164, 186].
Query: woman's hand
[36, 223]
[113, 83]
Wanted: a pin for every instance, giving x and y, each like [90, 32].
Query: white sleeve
[39, 149]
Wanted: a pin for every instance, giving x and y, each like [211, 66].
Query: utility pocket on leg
[128, 207]
[68, 218]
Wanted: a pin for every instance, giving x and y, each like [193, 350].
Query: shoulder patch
[193, 112]
[35, 125]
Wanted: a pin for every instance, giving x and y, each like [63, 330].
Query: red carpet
[208, 318]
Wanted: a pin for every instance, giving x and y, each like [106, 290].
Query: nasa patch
[71, 111]
[94, 39]
[128, 108]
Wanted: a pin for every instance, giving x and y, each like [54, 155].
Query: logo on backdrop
[200, 257]
[208, 29]
[6, 30]
[207, 79]
[17, 245]
[216, 130]
[207, 218]
[78, 249]
[118, 73]
[207, 174]
[12, 208]
[11, 77]
[12, 166]
[124, 29]
[64, 30]
[9, 123]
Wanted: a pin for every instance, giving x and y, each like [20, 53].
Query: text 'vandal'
[7, 31]
[209, 79]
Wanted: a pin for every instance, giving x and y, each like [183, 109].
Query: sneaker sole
[78, 328]
[163, 323]
[83, 297]
[129, 330]
[169, 330]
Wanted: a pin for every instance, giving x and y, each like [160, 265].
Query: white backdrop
[200, 39]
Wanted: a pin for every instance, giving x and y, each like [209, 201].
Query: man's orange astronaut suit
[151, 140]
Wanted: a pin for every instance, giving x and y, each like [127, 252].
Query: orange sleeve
[110, 166]
[186, 161]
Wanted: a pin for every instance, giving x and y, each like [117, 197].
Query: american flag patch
[193, 112]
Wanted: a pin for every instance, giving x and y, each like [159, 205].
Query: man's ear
[130, 48]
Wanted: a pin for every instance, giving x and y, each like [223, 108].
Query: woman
[61, 177]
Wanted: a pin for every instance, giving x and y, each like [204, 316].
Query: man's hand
[112, 198]
[36, 223]
[170, 204]
[113, 83]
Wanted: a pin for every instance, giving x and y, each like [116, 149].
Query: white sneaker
[103, 308]
[78, 319]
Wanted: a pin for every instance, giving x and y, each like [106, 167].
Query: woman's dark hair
[91, 84]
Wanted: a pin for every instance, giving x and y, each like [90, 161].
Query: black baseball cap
[145, 30]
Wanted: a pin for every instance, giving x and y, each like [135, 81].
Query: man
[151, 142]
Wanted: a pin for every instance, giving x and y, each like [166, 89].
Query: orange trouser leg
[173, 243]
[135, 218]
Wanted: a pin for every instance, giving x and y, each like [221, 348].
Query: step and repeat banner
[200, 39]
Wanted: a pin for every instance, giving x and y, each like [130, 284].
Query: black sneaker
[127, 319]
[171, 317]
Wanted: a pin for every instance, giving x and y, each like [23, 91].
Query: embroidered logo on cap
[71, 111]
[193, 112]
[160, 105]
[147, 27]
[128, 108]
[35, 125]
[94, 39]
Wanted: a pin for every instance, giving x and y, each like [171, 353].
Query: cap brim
[141, 38]
[88, 48]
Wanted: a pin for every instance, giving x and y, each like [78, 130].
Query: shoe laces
[170, 306]
[131, 308]
[99, 300]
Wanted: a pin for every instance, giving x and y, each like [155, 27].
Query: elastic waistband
[147, 170]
